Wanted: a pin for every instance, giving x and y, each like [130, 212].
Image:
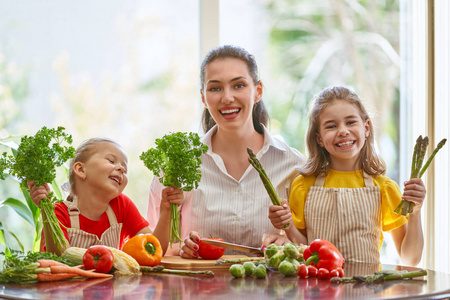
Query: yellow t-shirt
[389, 190]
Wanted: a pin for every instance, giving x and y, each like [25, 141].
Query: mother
[231, 201]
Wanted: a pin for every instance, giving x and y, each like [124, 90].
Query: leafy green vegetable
[176, 159]
[36, 160]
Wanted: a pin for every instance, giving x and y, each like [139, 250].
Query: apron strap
[320, 179]
[74, 214]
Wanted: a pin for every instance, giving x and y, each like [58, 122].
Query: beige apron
[350, 218]
[82, 239]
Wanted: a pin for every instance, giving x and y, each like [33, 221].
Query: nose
[343, 130]
[227, 96]
[120, 168]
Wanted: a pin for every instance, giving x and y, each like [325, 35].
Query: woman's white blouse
[221, 206]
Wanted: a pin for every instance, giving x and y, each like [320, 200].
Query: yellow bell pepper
[145, 249]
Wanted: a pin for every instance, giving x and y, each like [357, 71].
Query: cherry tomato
[323, 273]
[334, 273]
[207, 251]
[302, 271]
[99, 258]
[312, 271]
[341, 272]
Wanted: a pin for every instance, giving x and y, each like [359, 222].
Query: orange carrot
[79, 272]
[55, 277]
[45, 263]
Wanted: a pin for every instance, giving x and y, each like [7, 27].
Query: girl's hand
[280, 215]
[171, 195]
[190, 247]
[37, 193]
[415, 192]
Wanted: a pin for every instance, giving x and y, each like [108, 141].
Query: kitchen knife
[234, 246]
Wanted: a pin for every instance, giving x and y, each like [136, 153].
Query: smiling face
[105, 171]
[229, 93]
[342, 132]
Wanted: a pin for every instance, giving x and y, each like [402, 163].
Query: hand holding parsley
[36, 160]
[176, 159]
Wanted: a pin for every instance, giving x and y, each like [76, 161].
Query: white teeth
[345, 144]
[115, 179]
[230, 111]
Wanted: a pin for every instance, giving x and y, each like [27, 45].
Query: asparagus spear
[265, 179]
[380, 277]
[416, 168]
[161, 269]
[238, 260]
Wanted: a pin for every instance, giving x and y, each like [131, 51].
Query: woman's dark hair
[260, 115]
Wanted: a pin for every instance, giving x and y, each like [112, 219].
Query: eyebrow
[217, 81]
[347, 117]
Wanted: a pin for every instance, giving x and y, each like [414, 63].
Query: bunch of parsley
[176, 159]
[36, 160]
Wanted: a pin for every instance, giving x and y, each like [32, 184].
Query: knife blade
[234, 246]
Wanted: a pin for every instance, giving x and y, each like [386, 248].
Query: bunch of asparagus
[265, 179]
[417, 170]
[380, 276]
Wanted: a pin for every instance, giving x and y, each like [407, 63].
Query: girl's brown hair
[260, 115]
[82, 154]
[318, 157]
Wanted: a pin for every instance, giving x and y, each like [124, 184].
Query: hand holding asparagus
[406, 207]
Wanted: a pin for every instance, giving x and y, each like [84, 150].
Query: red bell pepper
[323, 254]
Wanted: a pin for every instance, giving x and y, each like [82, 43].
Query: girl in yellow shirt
[342, 194]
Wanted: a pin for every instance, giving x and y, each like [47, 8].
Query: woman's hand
[37, 193]
[280, 215]
[171, 195]
[415, 192]
[189, 248]
[274, 238]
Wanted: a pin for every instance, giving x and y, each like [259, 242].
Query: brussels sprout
[271, 250]
[237, 270]
[260, 271]
[249, 268]
[287, 269]
[293, 261]
[275, 260]
[291, 250]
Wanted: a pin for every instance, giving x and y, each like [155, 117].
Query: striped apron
[79, 238]
[350, 218]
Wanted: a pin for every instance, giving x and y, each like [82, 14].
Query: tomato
[303, 271]
[341, 272]
[312, 271]
[207, 251]
[323, 273]
[334, 273]
[99, 258]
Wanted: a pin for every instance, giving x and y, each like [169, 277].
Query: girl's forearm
[49, 242]
[162, 229]
[412, 244]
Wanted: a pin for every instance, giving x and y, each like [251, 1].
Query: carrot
[55, 277]
[79, 272]
[45, 263]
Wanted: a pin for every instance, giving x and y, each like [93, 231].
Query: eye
[214, 89]
[330, 126]
[351, 122]
[239, 85]
[110, 160]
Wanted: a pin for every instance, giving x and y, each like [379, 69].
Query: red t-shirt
[126, 213]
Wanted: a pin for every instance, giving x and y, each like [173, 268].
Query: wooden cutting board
[178, 263]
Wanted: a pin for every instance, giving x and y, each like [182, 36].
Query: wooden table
[436, 285]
